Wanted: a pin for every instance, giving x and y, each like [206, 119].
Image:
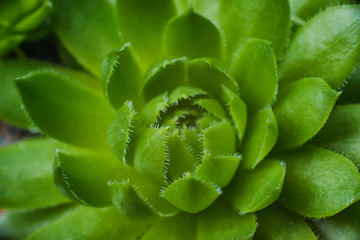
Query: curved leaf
[193, 36]
[28, 163]
[65, 109]
[220, 139]
[89, 31]
[302, 109]
[319, 183]
[252, 190]
[327, 46]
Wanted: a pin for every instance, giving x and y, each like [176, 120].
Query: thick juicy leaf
[180, 227]
[25, 175]
[120, 131]
[244, 19]
[220, 221]
[191, 194]
[121, 77]
[302, 109]
[327, 46]
[142, 22]
[318, 182]
[84, 176]
[89, 31]
[344, 225]
[342, 132]
[10, 102]
[252, 190]
[65, 109]
[350, 93]
[220, 139]
[87, 223]
[260, 138]
[277, 223]
[19, 224]
[150, 154]
[256, 73]
[193, 36]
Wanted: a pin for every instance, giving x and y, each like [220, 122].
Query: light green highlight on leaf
[327, 46]
[277, 223]
[342, 132]
[88, 39]
[121, 77]
[83, 176]
[25, 175]
[191, 194]
[143, 22]
[319, 183]
[302, 109]
[10, 42]
[253, 190]
[65, 109]
[261, 136]
[219, 138]
[193, 36]
[90, 223]
[218, 170]
[255, 71]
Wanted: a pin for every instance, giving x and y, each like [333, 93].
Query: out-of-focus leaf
[327, 46]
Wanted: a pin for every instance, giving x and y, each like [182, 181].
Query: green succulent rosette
[191, 120]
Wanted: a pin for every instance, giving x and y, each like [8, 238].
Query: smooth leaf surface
[191, 194]
[84, 176]
[255, 71]
[87, 223]
[121, 77]
[193, 36]
[342, 132]
[89, 31]
[253, 190]
[318, 182]
[277, 223]
[244, 19]
[65, 109]
[302, 109]
[143, 22]
[327, 46]
[120, 131]
[220, 221]
[220, 139]
[17, 169]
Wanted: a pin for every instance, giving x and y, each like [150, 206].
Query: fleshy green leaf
[350, 93]
[190, 194]
[143, 22]
[193, 36]
[165, 76]
[84, 176]
[120, 130]
[89, 39]
[252, 190]
[219, 138]
[19, 224]
[319, 183]
[220, 221]
[65, 109]
[256, 73]
[218, 169]
[260, 138]
[342, 132]
[9, 42]
[277, 223]
[302, 109]
[344, 225]
[327, 46]
[152, 109]
[150, 155]
[87, 223]
[121, 77]
[25, 175]
[244, 19]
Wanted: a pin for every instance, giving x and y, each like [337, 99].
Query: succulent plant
[180, 119]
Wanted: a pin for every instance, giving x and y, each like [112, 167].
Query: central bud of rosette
[184, 147]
